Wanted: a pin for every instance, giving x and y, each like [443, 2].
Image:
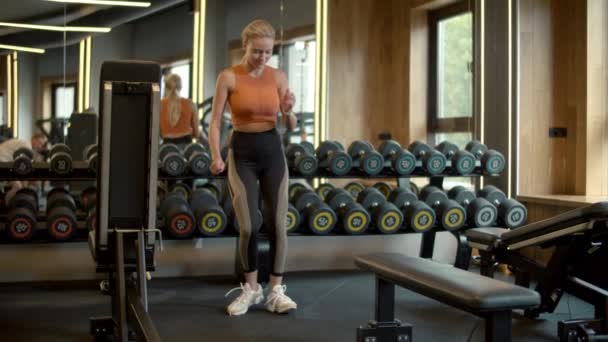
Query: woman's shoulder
[278, 74]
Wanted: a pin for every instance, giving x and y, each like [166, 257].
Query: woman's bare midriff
[254, 127]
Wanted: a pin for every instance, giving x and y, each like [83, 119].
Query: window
[64, 100]
[182, 69]
[451, 75]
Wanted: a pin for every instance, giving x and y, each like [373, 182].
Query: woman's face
[259, 51]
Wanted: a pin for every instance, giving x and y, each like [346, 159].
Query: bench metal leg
[463, 251]
[487, 264]
[498, 326]
[385, 301]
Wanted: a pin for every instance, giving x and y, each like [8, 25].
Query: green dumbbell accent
[210, 217]
[492, 161]
[317, 215]
[511, 213]
[198, 159]
[323, 190]
[462, 161]
[21, 218]
[366, 158]
[172, 162]
[332, 157]
[293, 219]
[61, 222]
[480, 212]
[384, 188]
[60, 159]
[90, 156]
[354, 188]
[402, 161]
[177, 215]
[417, 215]
[354, 219]
[451, 215]
[386, 216]
[22, 161]
[300, 160]
[433, 161]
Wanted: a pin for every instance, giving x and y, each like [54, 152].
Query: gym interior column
[15, 93]
[198, 54]
[321, 80]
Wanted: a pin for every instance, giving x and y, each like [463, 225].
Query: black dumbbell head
[293, 219]
[370, 197]
[88, 198]
[432, 195]
[179, 220]
[293, 188]
[303, 198]
[481, 213]
[463, 162]
[198, 159]
[402, 197]
[338, 197]
[493, 162]
[418, 148]
[461, 195]
[181, 188]
[357, 148]
[309, 147]
[321, 219]
[61, 159]
[476, 147]
[354, 188]
[389, 147]
[61, 223]
[324, 189]
[325, 148]
[59, 198]
[60, 148]
[88, 151]
[171, 159]
[434, 162]
[403, 162]
[294, 150]
[388, 218]
[21, 224]
[22, 161]
[23, 151]
[447, 148]
[452, 216]
[384, 188]
[24, 198]
[355, 219]
[493, 194]
[512, 213]
[419, 217]
[211, 218]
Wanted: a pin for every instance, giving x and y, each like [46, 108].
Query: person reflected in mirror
[178, 116]
[256, 93]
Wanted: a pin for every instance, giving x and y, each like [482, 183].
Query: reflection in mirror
[294, 52]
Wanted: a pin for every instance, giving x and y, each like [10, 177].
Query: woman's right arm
[218, 106]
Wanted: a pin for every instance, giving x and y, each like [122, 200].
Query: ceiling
[52, 13]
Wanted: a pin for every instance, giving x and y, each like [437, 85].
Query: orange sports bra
[254, 99]
[184, 124]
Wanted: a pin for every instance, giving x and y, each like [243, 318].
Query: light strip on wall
[105, 2]
[318, 35]
[15, 95]
[58, 28]
[195, 59]
[87, 73]
[21, 48]
[9, 91]
[510, 94]
[81, 75]
[201, 53]
[324, 80]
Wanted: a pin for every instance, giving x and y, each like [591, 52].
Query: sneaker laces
[242, 297]
[276, 294]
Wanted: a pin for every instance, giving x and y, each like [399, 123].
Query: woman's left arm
[288, 100]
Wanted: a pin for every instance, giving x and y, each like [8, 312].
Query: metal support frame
[498, 326]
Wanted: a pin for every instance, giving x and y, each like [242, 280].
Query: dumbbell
[61, 222]
[386, 216]
[198, 159]
[172, 162]
[462, 161]
[22, 161]
[480, 212]
[511, 213]
[88, 198]
[433, 161]
[21, 219]
[354, 188]
[293, 219]
[182, 188]
[308, 146]
[417, 214]
[210, 217]
[218, 187]
[331, 156]
[293, 187]
[492, 161]
[323, 189]
[299, 159]
[90, 155]
[177, 215]
[317, 215]
[402, 161]
[451, 215]
[354, 219]
[365, 158]
[61, 159]
[384, 188]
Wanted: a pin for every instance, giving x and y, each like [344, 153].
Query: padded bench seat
[489, 298]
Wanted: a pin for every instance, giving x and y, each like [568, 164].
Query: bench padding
[447, 284]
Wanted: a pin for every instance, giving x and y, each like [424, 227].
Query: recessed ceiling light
[58, 28]
[21, 48]
[106, 2]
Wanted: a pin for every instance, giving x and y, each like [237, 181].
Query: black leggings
[254, 157]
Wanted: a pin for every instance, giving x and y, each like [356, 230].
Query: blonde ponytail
[173, 85]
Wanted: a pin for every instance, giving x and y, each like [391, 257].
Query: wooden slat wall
[368, 49]
[552, 41]
[419, 65]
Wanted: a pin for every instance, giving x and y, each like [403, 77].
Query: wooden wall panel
[419, 66]
[368, 43]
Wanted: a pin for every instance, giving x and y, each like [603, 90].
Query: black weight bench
[490, 299]
[580, 238]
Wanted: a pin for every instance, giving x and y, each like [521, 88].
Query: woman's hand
[217, 166]
[288, 101]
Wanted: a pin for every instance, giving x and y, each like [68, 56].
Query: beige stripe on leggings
[281, 223]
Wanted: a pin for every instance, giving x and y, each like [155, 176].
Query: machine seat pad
[485, 236]
[445, 283]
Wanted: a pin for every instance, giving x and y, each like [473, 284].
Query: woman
[178, 119]
[256, 93]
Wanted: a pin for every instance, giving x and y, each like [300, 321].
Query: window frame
[54, 87]
[434, 123]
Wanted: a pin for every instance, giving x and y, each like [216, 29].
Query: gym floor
[331, 306]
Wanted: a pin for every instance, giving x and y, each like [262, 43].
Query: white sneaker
[246, 299]
[277, 301]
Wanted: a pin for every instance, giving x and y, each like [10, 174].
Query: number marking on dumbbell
[323, 221]
[21, 228]
[516, 217]
[422, 221]
[390, 222]
[181, 224]
[356, 222]
[453, 218]
[486, 216]
[211, 222]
